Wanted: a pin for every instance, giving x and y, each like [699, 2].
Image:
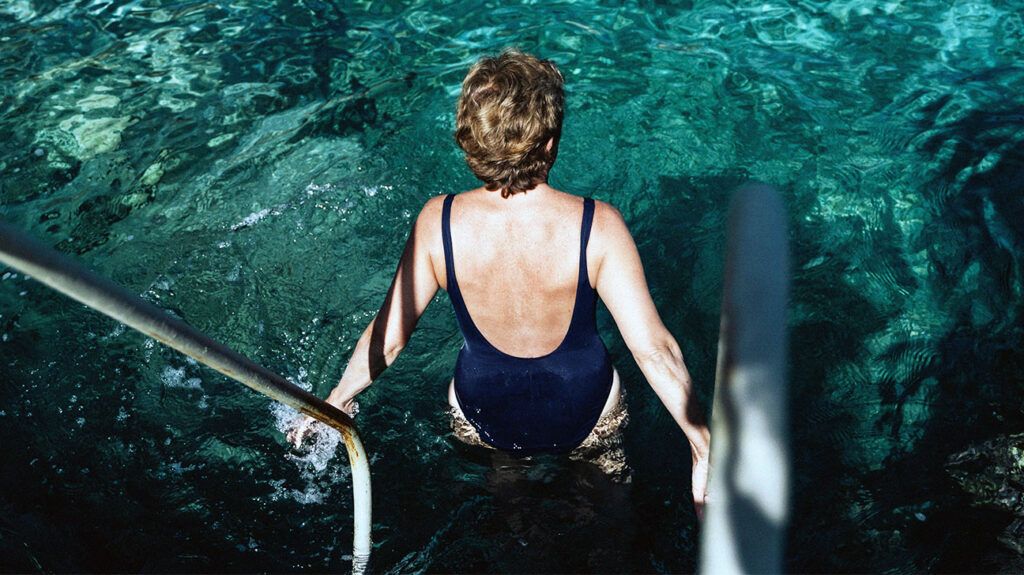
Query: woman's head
[509, 111]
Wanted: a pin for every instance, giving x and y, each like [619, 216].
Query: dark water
[254, 167]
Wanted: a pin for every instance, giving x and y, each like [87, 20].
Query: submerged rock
[993, 472]
[152, 174]
[96, 136]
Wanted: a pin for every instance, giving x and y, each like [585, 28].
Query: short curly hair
[510, 107]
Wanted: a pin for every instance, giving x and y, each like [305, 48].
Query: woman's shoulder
[606, 210]
[434, 205]
[428, 221]
[608, 220]
[609, 235]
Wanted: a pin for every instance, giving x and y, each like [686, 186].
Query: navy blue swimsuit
[546, 404]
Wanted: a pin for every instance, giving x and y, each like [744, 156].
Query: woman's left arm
[411, 291]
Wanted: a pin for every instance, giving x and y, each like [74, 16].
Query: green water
[254, 167]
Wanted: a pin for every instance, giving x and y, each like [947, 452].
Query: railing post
[748, 497]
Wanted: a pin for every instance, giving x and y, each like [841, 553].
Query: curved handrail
[59, 272]
[748, 499]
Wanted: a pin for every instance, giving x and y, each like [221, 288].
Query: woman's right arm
[412, 288]
[621, 284]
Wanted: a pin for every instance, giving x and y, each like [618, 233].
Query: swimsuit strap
[582, 323]
[588, 220]
[470, 332]
[446, 236]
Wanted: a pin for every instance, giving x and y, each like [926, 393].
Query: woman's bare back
[517, 263]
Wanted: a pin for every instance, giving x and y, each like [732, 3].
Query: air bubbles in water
[313, 459]
[175, 377]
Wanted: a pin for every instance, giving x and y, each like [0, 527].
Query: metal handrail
[59, 272]
[748, 497]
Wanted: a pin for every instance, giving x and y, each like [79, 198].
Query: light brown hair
[510, 106]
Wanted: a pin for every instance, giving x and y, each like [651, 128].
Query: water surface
[254, 167]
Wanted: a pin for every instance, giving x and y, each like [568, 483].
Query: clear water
[255, 166]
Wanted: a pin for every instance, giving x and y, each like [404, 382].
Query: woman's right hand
[298, 429]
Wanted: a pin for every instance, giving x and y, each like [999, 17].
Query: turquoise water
[254, 167]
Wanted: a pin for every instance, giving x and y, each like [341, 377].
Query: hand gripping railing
[71, 279]
[747, 508]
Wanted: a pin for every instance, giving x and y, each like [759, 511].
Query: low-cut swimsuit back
[546, 404]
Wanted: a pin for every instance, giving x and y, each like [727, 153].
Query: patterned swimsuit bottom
[603, 447]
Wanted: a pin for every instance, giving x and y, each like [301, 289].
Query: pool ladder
[46, 265]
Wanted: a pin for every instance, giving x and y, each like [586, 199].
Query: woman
[523, 264]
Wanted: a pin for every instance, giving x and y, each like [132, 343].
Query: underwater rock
[59, 147]
[218, 140]
[351, 116]
[96, 135]
[110, 189]
[993, 472]
[1013, 536]
[97, 101]
[153, 174]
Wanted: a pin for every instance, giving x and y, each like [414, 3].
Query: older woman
[524, 264]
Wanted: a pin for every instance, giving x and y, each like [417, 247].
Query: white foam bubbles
[251, 219]
[175, 377]
[318, 472]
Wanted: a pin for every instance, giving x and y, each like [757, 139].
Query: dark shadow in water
[550, 515]
[832, 322]
[974, 372]
[682, 240]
